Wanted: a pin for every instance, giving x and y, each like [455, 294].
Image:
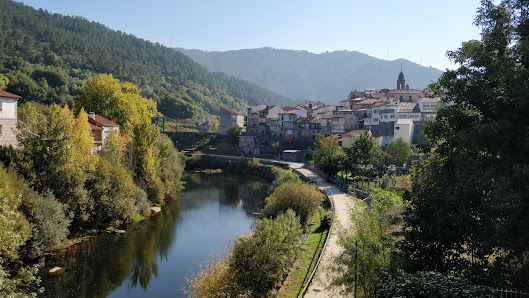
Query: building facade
[8, 118]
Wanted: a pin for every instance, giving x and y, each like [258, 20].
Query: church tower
[401, 83]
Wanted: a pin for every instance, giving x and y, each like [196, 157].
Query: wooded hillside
[46, 58]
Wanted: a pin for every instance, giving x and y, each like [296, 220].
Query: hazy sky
[417, 30]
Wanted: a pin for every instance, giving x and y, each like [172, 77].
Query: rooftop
[100, 120]
[409, 107]
[406, 91]
[431, 100]
[5, 94]
[231, 111]
[404, 121]
[355, 132]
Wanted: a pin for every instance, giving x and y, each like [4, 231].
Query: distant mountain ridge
[302, 75]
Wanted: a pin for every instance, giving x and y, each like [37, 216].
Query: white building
[428, 107]
[8, 118]
[403, 128]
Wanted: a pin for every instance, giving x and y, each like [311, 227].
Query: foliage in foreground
[370, 247]
[257, 263]
[433, 285]
[470, 199]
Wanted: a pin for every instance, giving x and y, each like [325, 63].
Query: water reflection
[154, 257]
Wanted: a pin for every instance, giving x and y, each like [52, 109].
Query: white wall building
[403, 128]
[8, 118]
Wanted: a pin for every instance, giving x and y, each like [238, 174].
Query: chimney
[92, 115]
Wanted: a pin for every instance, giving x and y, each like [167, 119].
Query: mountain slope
[302, 75]
[47, 57]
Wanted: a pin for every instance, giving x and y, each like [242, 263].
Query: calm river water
[153, 258]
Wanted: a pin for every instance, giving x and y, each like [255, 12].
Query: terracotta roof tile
[231, 111]
[6, 94]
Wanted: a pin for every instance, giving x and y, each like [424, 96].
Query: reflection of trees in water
[97, 267]
[246, 192]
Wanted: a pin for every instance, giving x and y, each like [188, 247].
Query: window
[397, 128]
[400, 98]
[0, 106]
[375, 119]
[409, 98]
[392, 116]
[0, 130]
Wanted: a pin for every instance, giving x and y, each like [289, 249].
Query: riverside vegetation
[460, 229]
[56, 186]
[259, 262]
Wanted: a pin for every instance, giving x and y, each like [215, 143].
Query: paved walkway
[320, 285]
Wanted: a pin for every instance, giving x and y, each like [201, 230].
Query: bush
[283, 176]
[303, 199]
[49, 222]
[112, 192]
[263, 259]
[431, 284]
[141, 202]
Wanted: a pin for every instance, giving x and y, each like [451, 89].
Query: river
[154, 256]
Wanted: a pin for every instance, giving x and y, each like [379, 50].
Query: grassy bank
[305, 263]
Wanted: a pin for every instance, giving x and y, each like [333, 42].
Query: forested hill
[302, 75]
[47, 57]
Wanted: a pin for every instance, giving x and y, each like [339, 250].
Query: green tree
[364, 154]
[303, 199]
[215, 126]
[4, 81]
[328, 154]
[469, 198]
[57, 151]
[121, 103]
[369, 247]
[398, 150]
[232, 136]
[262, 259]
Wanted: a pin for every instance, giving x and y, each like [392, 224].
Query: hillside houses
[386, 114]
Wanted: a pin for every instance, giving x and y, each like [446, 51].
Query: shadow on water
[164, 249]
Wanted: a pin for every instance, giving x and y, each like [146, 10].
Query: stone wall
[8, 132]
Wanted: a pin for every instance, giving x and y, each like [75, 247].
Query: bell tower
[401, 83]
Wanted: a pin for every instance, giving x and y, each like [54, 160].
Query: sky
[417, 30]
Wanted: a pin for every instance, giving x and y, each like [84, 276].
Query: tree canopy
[398, 150]
[470, 198]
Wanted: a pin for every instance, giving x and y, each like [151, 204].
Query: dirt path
[320, 285]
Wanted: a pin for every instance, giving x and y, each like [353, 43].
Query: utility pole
[356, 266]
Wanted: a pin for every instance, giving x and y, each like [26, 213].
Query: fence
[506, 293]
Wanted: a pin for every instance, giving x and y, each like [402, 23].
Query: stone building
[8, 118]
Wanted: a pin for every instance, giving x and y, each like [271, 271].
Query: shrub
[283, 176]
[431, 284]
[263, 259]
[49, 223]
[112, 191]
[303, 199]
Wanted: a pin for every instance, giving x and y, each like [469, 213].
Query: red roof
[231, 111]
[100, 121]
[287, 108]
[6, 94]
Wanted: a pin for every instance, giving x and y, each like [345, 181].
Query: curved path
[320, 285]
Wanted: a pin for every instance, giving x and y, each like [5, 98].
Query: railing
[507, 293]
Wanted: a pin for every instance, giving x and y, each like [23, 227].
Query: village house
[428, 106]
[258, 119]
[101, 128]
[350, 137]
[8, 118]
[230, 118]
[404, 128]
